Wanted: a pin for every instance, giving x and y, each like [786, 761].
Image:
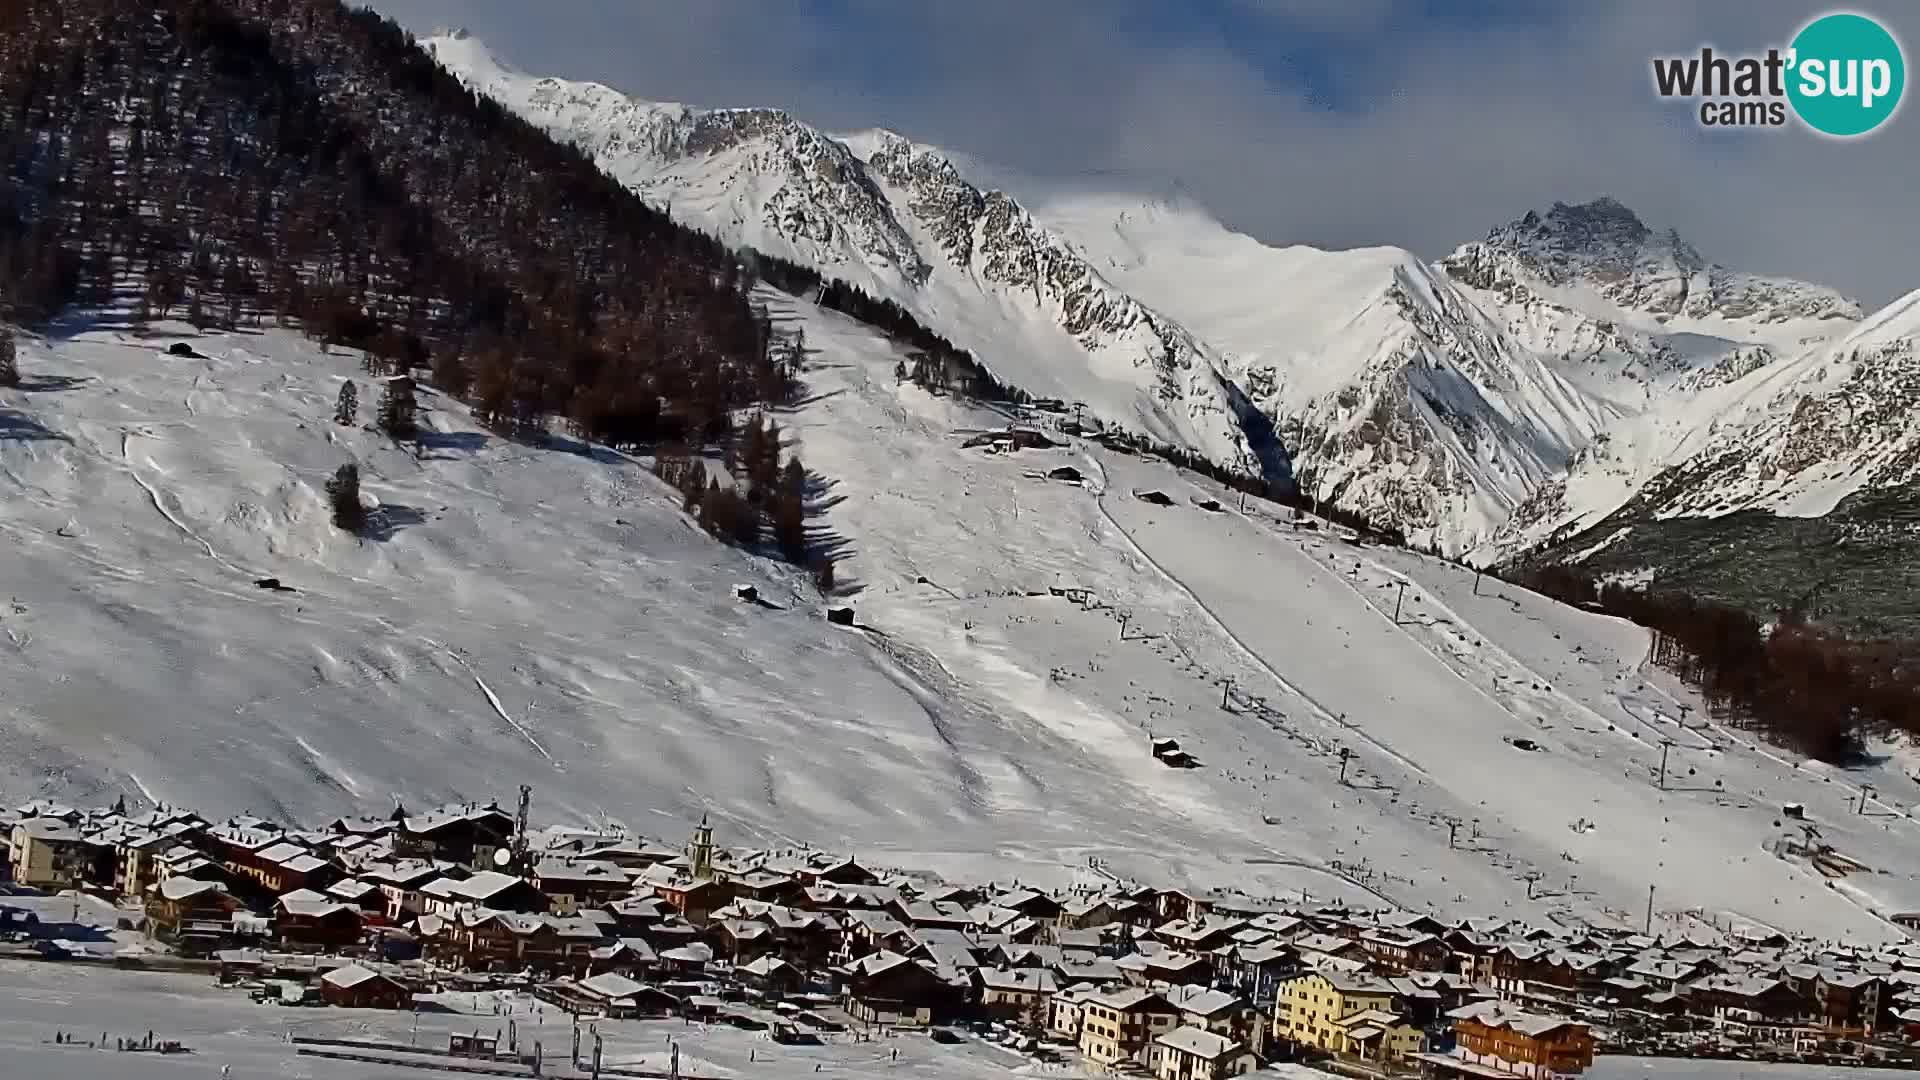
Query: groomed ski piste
[547, 614]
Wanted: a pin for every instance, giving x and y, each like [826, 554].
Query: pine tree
[790, 513]
[398, 412]
[9, 359]
[343, 492]
[347, 412]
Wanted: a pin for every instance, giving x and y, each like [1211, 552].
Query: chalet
[887, 988]
[1192, 1053]
[1744, 1000]
[1166, 966]
[1497, 1037]
[1404, 950]
[364, 895]
[356, 987]
[689, 959]
[1256, 971]
[176, 904]
[764, 885]
[694, 898]
[1199, 933]
[1084, 913]
[833, 870]
[617, 996]
[570, 885]
[1218, 1011]
[1120, 1025]
[503, 940]
[628, 956]
[935, 913]
[487, 889]
[304, 919]
[770, 975]
[634, 914]
[1846, 999]
[467, 834]
[401, 884]
[741, 940]
[1034, 905]
[1019, 996]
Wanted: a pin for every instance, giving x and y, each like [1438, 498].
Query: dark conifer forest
[235, 163]
[1816, 691]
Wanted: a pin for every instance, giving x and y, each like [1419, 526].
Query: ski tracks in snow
[493, 699]
[1325, 714]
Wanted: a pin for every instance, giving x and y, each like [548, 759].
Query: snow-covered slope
[1396, 395]
[1793, 438]
[546, 614]
[898, 221]
[1635, 315]
[1391, 393]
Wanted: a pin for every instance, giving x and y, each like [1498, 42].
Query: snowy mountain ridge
[1793, 438]
[1633, 314]
[1528, 382]
[898, 221]
[1404, 409]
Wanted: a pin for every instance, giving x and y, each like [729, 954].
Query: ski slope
[546, 614]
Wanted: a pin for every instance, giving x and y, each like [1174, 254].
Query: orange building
[1493, 1035]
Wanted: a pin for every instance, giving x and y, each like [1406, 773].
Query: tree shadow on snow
[387, 522]
[452, 442]
[48, 384]
[17, 428]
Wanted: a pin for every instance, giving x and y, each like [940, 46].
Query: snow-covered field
[224, 1029]
[547, 615]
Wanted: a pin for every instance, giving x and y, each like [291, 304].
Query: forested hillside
[241, 161]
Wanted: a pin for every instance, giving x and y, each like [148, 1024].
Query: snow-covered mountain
[1792, 438]
[1392, 393]
[1396, 395]
[1525, 386]
[1634, 315]
[899, 221]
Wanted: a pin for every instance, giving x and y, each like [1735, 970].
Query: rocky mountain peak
[1604, 246]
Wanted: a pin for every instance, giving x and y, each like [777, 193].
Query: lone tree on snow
[343, 491]
[398, 409]
[348, 410]
[9, 361]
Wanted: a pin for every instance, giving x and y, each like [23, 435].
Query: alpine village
[804, 945]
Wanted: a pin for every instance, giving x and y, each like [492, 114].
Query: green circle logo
[1847, 75]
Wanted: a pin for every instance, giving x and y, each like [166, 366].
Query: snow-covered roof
[611, 986]
[350, 976]
[1199, 1042]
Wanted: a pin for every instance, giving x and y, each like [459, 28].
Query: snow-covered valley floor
[224, 1029]
[547, 615]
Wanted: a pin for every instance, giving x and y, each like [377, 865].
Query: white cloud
[1449, 128]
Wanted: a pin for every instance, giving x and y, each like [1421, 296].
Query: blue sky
[1419, 123]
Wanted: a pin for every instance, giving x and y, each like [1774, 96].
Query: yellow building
[47, 853]
[1351, 1015]
[1120, 1025]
